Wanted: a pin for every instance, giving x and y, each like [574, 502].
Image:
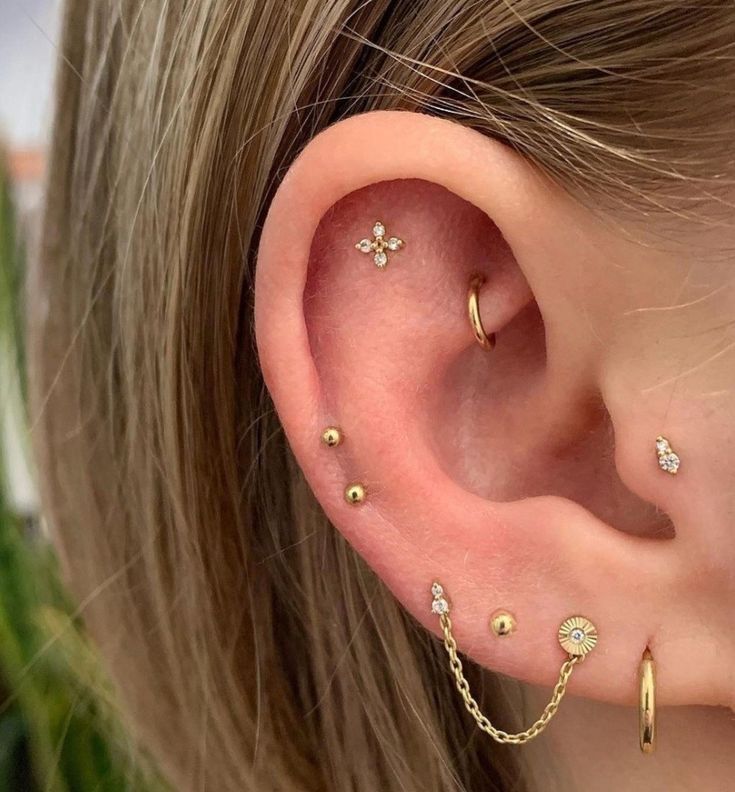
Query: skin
[525, 478]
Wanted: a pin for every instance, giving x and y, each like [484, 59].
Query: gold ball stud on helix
[355, 494]
[502, 623]
[332, 437]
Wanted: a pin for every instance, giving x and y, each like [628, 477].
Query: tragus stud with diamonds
[668, 459]
[379, 245]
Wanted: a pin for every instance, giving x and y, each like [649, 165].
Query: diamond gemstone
[394, 243]
[379, 230]
[381, 259]
[662, 445]
[437, 590]
[440, 606]
[669, 462]
[577, 635]
[365, 245]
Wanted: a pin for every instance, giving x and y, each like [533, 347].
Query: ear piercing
[502, 623]
[577, 636]
[355, 494]
[647, 703]
[332, 437]
[379, 245]
[668, 459]
[473, 308]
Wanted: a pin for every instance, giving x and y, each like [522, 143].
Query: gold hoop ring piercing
[647, 706]
[473, 307]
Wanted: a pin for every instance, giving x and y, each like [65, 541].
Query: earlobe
[454, 464]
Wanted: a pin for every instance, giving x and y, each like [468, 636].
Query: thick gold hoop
[473, 307]
[647, 706]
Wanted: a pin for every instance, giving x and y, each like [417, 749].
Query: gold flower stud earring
[379, 245]
[668, 459]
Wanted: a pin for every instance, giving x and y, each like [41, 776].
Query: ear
[492, 472]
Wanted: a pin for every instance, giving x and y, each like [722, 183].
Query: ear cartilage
[379, 245]
[577, 637]
[668, 459]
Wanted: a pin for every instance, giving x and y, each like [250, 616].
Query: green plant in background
[59, 729]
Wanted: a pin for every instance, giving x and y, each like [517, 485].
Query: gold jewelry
[473, 307]
[332, 437]
[647, 704]
[668, 459]
[355, 494]
[502, 623]
[379, 245]
[579, 638]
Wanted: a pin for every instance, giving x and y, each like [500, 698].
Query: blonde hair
[251, 646]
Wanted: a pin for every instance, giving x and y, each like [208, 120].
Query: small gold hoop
[647, 706]
[473, 306]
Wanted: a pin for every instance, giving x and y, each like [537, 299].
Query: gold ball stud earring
[502, 623]
[355, 494]
[668, 459]
[332, 437]
[379, 245]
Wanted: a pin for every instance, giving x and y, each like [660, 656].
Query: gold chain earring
[577, 636]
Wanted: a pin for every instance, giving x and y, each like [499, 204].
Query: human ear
[496, 473]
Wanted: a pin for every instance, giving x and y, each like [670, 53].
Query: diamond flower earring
[379, 245]
[577, 637]
[668, 459]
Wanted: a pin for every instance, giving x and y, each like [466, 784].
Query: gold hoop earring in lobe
[647, 705]
[473, 308]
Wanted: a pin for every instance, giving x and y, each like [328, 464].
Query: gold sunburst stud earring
[379, 245]
[668, 459]
[332, 437]
[577, 636]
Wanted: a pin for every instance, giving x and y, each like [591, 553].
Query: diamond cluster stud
[379, 245]
[439, 606]
[668, 460]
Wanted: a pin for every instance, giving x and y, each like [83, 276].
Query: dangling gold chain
[577, 635]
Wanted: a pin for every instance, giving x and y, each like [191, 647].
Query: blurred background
[60, 728]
